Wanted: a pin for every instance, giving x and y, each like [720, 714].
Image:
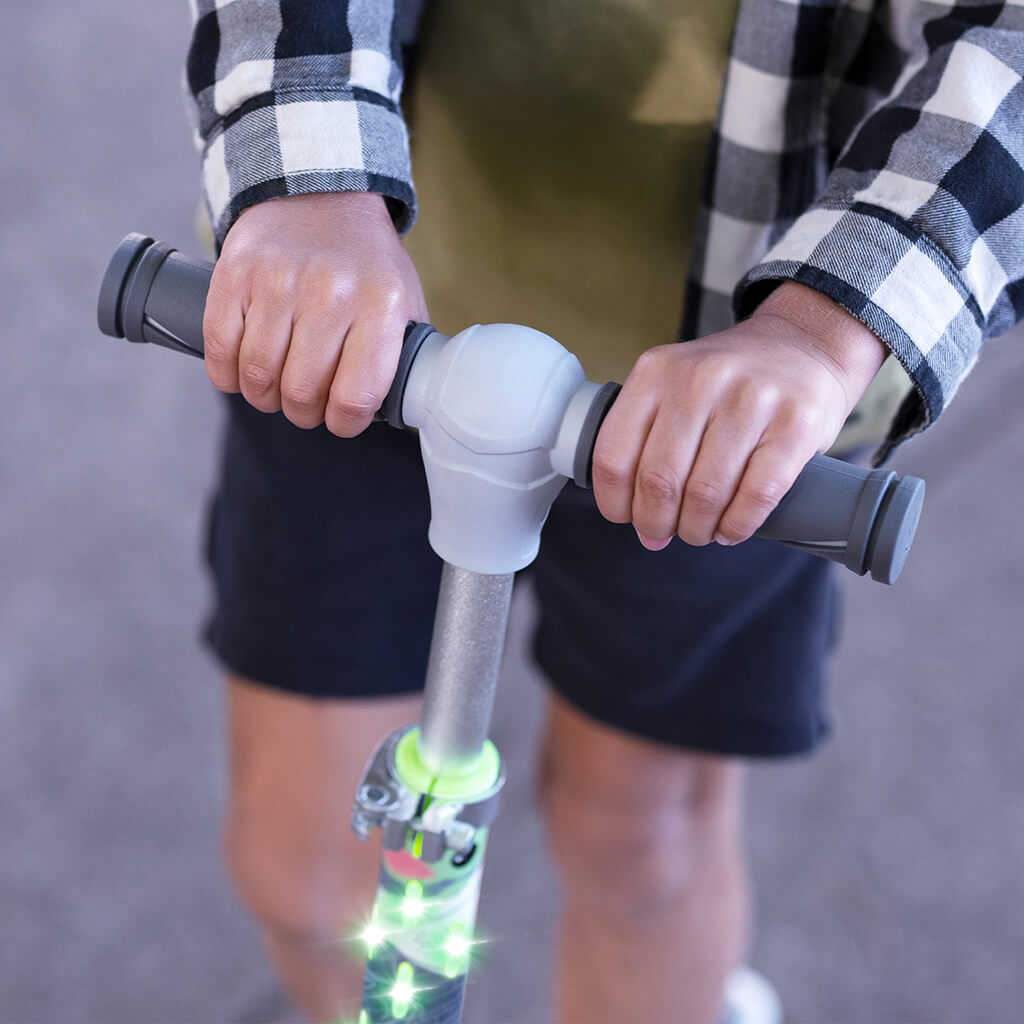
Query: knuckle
[331, 282]
[648, 364]
[336, 290]
[798, 419]
[704, 497]
[234, 264]
[220, 350]
[283, 276]
[256, 379]
[763, 495]
[302, 395]
[609, 472]
[379, 300]
[389, 295]
[713, 374]
[755, 397]
[257, 266]
[658, 486]
[348, 413]
[278, 298]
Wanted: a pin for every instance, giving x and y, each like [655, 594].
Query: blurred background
[888, 866]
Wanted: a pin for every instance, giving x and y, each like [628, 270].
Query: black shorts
[325, 586]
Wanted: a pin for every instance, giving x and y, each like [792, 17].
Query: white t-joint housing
[499, 409]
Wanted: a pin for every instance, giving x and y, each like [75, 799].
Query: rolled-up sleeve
[299, 96]
[918, 230]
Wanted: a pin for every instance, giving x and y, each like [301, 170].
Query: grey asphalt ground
[888, 866]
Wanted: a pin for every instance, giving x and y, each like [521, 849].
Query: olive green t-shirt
[558, 149]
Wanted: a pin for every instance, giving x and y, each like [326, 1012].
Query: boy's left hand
[708, 436]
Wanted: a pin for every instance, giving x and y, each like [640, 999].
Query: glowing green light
[457, 944]
[373, 936]
[456, 948]
[413, 905]
[364, 1017]
[417, 845]
[402, 991]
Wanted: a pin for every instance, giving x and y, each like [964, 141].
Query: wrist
[320, 208]
[825, 329]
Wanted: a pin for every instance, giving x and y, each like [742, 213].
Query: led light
[373, 936]
[413, 905]
[457, 944]
[412, 908]
[456, 948]
[402, 991]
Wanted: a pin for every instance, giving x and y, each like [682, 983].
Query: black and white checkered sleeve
[297, 96]
[918, 230]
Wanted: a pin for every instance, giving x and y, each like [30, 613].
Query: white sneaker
[750, 999]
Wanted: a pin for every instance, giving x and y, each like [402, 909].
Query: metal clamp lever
[383, 799]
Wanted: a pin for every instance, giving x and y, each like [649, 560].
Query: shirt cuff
[296, 142]
[897, 282]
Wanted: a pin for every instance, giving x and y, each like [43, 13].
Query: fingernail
[651, 544]
[724, 541]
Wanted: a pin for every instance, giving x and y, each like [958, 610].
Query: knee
[301, 888]
[634, 853]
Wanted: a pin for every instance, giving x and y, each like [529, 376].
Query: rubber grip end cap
[894, 531]
[108, 308]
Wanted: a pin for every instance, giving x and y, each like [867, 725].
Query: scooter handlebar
[153, 293]
[864, 519]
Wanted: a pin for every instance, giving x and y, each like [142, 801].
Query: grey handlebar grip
[863, 519]
[152, 293]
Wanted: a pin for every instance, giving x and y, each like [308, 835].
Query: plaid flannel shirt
[870, 149]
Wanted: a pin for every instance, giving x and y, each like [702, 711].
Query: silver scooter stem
[462, 673]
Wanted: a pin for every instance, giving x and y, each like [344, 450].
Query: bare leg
[648, 840]
[302, 873]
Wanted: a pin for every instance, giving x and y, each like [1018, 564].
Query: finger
[316, 347]
[664, 466]
[715, 476]
[262, 352]
[617, 451]
[223, 324]
[364, 373]
[770, 472]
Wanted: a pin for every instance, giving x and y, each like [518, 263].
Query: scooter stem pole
[462, 672]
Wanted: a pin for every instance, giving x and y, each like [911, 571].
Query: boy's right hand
[307, 308]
